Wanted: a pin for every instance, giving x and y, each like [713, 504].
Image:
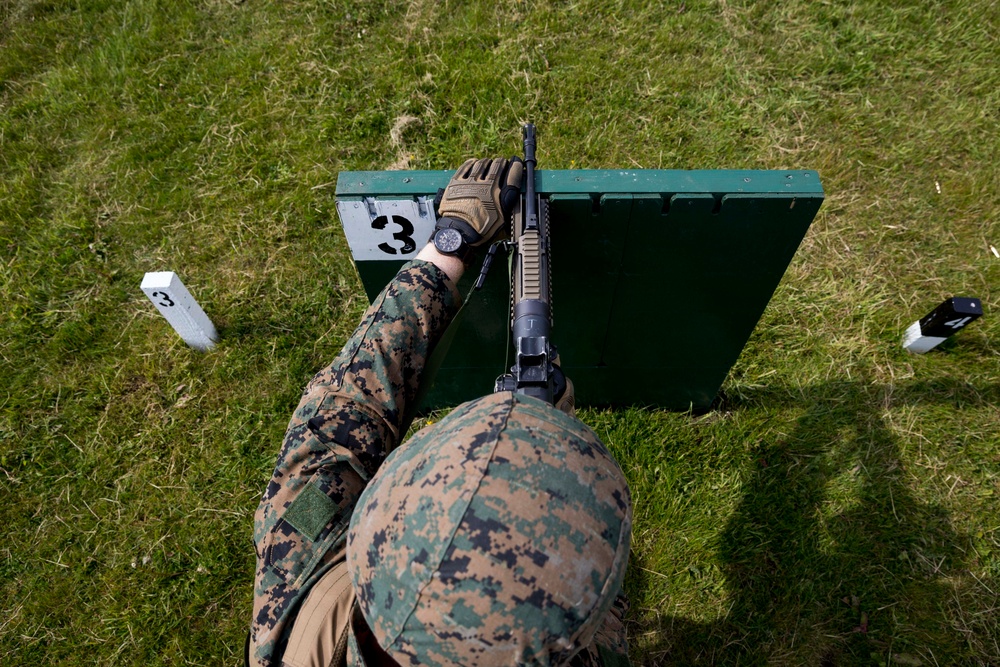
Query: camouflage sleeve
[377, 376]
[349, 418]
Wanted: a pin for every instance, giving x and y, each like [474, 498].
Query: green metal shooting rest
[659, 276]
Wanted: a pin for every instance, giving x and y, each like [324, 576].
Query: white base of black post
[916, 342]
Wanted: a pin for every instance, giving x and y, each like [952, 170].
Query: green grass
[840, 505]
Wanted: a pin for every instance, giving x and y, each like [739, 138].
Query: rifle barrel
[530, 200]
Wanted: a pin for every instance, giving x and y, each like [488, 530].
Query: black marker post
[935, 327]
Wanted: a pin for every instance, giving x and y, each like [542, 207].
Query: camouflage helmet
[497, 536]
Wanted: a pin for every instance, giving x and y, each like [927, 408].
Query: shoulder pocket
[314, 522]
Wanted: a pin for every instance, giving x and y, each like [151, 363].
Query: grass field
[839, 507]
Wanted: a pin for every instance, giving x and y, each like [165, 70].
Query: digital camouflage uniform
[349, 419]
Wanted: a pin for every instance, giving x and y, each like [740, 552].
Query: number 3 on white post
[176, 304]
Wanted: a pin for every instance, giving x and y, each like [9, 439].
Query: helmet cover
[497, 536]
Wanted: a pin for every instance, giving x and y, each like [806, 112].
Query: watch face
[448, 241]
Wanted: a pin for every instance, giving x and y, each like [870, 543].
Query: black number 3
[165, 297]
[404, 234]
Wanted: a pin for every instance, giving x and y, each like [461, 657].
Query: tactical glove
[479, 199]
[565, 401]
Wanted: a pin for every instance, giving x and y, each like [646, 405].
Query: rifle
[535, 371]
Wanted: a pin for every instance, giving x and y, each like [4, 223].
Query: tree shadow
[829, 559]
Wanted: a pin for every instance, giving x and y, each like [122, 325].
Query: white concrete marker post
[175, 303]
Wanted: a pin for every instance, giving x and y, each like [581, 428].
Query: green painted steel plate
[659, 276]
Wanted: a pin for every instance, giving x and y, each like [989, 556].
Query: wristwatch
[449, 241]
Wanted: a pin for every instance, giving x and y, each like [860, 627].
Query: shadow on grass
[830, 559]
